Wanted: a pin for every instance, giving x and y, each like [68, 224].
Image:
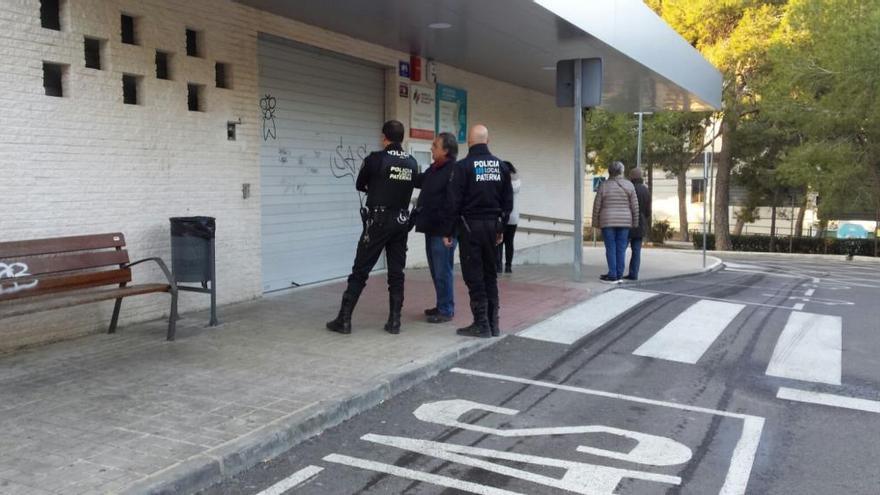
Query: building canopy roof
[647, 66]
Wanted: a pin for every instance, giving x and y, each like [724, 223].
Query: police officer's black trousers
[477, 253]
[384, 232]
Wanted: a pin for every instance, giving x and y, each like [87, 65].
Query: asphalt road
[762, 378]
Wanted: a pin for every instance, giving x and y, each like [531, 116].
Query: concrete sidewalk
[131, 413]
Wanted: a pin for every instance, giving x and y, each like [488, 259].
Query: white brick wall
[87, 163]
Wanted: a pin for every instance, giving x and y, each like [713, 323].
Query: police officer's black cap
[393, 131]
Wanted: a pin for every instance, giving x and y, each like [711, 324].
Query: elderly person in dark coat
[616, 211]
[637, 234]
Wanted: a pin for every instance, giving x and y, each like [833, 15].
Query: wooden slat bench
[43, 274]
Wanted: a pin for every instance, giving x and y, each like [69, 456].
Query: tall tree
[733, 35]
[826, 80]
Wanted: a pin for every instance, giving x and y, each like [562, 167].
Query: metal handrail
[539, 218]
[554, 233]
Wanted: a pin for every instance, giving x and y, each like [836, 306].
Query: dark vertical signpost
[579, 85]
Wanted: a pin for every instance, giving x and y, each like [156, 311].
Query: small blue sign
[597, 182]
[403, 69]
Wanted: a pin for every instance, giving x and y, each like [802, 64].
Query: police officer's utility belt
[381, 215]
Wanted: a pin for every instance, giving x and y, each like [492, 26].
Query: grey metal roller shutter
[326, 115]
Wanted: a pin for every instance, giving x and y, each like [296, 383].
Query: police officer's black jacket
[479, 188]
[388, 177]
[433, 183]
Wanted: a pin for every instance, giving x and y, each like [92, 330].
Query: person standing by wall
[388, 178]
[434, 183]
[615, 211]
[479, 203]
[637, 234]
[506, 246]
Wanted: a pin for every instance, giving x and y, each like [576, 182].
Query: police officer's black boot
[395, 305]
[480, 326]
[342, 323]
[493, 318]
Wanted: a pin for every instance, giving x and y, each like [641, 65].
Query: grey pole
[639, 145]
[705, 201]
[577, 239]
[710, 187]
[791, 228]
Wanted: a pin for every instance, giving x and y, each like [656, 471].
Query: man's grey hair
[616, 169]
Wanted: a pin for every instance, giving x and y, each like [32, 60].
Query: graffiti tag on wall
[267, 107]
[11, 271]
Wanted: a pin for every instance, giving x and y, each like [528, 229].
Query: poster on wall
[422, 112]
[452, 111]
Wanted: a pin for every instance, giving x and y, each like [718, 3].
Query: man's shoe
[609, 280]
[630, 277]
[507, 269]
[342, 323]
[474, 330]
[395, 305]
[431, 312]
[439, 318]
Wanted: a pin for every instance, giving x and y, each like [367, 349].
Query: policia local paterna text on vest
[388, 178]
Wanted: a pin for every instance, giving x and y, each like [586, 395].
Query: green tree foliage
[825, 83]
[734, 35]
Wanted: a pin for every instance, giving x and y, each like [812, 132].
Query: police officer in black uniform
[388, 177]
[480, 198]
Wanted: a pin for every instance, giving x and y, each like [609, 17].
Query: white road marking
[579, 321]
[798, 306]
[763, 272]
[649, 449]
[825, 302]
[579, 477]
[809, 348]
[810, 292]
[832, 400]
[707, 298]
[292, 481]
[686, 338]
[741, 462]
[434, 479]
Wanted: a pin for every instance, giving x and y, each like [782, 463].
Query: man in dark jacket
[434, 183]
[388, 178]
[479, 204]
[644, 228]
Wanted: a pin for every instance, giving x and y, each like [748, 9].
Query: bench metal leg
[173, 317]
[115, 318]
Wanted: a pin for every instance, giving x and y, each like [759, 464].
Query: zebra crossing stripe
[809, 349]
[579, 321]
[686, 338]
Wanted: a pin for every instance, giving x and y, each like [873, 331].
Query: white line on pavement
[743, 454]
[579, 321]
[434, 479]
[292, 481]
[832, 400]
[695, 296]
[686, 338]
[798, 306]
[764, 272]
[809, 349]
[810, 292]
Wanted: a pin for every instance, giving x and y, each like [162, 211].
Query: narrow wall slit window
[698, 190]
[129, 30]
[194, 97]
[193, 43]
[50, 14]
[53, 79]
[130, 89]
[93, 51]
[163, 69]
[221, 75]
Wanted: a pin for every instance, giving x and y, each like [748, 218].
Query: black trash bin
[192, 256]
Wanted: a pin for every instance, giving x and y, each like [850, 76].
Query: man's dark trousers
[384, 231]
[478, 252]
